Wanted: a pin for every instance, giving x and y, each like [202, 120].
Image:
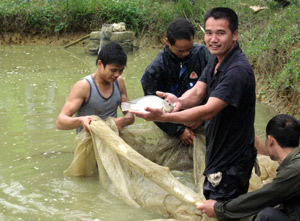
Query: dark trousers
[235, 181]
[271, 214]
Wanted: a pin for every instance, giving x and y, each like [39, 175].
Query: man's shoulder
[291, 165]
[201, 52]
[200, 47]
[159, 57]
[295, 161]
[158, 62]
[81, 87]
[240, 62]
[238, 58]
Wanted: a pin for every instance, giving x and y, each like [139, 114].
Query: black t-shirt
[230, 134]
[164, 74]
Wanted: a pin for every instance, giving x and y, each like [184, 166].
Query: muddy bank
[66, 38]
[283, 103]
[40, 39]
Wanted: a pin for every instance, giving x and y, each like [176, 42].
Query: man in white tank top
[98, 94]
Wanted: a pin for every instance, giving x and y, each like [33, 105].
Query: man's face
[111, 71]
[182, 47]
[218, 37]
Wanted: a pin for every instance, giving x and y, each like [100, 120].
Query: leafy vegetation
[272, 44]
[270, 38]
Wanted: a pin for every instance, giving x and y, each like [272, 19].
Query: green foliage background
[270, 38]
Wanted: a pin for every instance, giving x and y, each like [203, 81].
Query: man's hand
[86, 120]
[194, 126]
[119, 123]
[187, 137]
[207, 207]
[152, 114]
[171, 98]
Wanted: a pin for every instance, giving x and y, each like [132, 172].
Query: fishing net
[145, 167]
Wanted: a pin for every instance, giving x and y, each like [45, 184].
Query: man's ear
[99, 62]
[168, 42]
[271, 140]
[235, 35]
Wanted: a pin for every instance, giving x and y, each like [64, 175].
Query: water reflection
[35, 82]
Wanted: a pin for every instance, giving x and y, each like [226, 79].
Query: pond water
[35, 82]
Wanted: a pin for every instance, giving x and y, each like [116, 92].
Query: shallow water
[35, 82]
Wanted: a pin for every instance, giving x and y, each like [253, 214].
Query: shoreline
[14, 38]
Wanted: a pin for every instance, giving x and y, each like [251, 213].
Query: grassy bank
[41, 16]
[270, 38]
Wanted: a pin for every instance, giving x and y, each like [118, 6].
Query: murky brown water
[35, 82]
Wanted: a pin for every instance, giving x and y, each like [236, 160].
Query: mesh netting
[147, 168]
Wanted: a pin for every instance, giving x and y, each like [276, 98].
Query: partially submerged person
[176, 69]
[98, 94]
[228, 82]
[282, 145]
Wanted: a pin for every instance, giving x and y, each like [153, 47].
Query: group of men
[212, 85]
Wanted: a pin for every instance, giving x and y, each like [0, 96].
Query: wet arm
[198, 113]
[65, 121]
[192, 115]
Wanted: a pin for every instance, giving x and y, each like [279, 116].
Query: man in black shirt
[176, 69]
[229, 85]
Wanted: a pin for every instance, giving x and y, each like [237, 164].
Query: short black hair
[285, 129]
[180, 29]
[112, 53]
[226, 13]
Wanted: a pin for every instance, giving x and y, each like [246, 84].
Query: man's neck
[283, 153]
[99, 80]
[222, 57]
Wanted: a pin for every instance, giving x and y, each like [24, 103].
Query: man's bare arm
[196, 114]
[78, 94]
[190, 98]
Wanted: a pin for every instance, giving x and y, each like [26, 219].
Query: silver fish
[152, 101]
